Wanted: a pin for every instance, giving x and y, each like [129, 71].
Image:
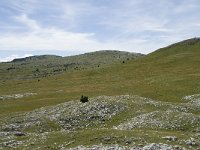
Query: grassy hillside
[153, 99]
[167, 74]
[48, 65]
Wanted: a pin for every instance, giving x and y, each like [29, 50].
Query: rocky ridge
[180, 121]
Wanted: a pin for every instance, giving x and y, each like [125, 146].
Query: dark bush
[84, 99]
[10, 68]
[37, 70]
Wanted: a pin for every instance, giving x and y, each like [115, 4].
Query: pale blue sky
[66, 27]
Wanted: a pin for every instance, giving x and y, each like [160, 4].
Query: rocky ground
[16, 96]
[152, 146]
[106, 122]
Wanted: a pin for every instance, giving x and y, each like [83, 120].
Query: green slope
[48, 65]
[172, 72]
[167, 114]
[167, 74]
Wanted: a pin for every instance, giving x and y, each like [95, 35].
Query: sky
[69, 27]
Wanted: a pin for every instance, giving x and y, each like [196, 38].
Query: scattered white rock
[170, 138]
[76, 116]
[191, 142]
[151, 146]
[16, 96]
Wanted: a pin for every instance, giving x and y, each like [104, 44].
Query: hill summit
[47, 65]
[35, 58]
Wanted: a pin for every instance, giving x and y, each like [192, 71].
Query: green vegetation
[49, 65]
[84, 99]
[166, 75]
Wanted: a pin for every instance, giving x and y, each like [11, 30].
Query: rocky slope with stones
[106, 122]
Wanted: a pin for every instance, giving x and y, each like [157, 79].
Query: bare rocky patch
[152, 146]
[119, 113]
[16, 96]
